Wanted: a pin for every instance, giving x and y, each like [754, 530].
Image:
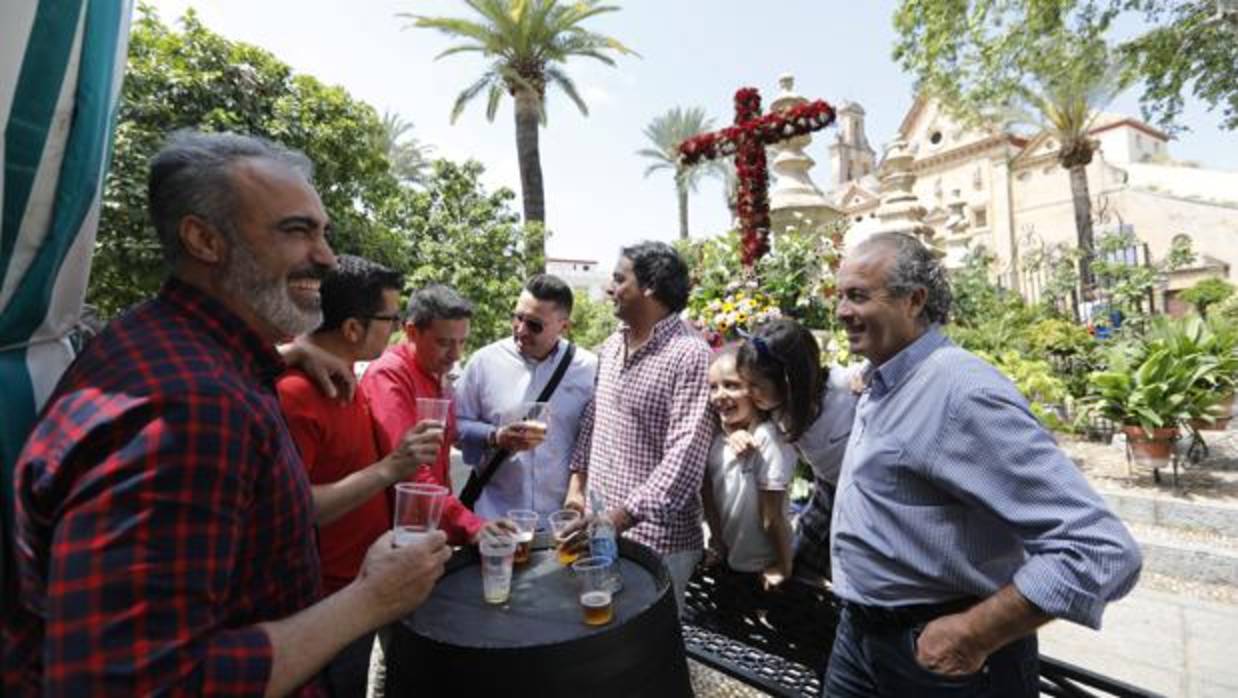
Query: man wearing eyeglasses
[341, 449]
[514, 370]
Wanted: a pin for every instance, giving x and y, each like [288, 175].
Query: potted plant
[1213, 343]
[1221, 342]
[1150, 390]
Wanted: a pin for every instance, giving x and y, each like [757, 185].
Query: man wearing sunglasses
[514, 370]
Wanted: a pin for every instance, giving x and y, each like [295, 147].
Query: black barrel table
[537, 643]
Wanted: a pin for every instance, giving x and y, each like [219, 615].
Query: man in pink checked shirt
[645, 438]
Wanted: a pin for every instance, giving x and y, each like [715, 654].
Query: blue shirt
[497, 379]
[951, 488]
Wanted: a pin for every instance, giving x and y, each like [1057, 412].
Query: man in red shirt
[436, 329]
[339, 444]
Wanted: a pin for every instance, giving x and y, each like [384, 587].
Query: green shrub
[592, 321]
[1046, 393]
[1206, 293]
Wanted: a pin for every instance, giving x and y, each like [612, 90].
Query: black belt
[897, 617]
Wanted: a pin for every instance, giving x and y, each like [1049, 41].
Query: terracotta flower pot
[1152, 451]
[1226, 410]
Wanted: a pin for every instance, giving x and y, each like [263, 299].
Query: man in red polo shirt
[436, 329]
[339, 445]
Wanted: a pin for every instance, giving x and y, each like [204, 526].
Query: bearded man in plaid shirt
[164, 525]
[645, 437]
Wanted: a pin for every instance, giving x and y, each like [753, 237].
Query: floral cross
[746, 140]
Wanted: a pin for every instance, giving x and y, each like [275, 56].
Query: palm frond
[658, 166]
[565, 83]
[467, 95]
[464, 48]
[455, 27]
[527, 42]
[493, 99]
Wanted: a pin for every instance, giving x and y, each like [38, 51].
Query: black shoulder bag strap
[472, 490]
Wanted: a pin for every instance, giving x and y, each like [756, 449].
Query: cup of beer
[418, 506]
[528, 422]
[526, 526]
[497, 553]
[560, 521]
[593, 576]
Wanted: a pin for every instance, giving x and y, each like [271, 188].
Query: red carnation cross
[746, 140]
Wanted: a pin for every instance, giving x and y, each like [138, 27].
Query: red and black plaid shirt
[162, 511]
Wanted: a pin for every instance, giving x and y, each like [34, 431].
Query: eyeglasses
[535, 326]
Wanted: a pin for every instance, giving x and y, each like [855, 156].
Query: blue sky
[693, 53]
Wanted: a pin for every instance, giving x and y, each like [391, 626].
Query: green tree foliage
[527, 42]
[975, 297]
[665, 133]
[449, 229]
[981, 50]
[469, 239]
[410, 159]
[1186, 49]
[197, 79]
[592, 321]
[1207, 293]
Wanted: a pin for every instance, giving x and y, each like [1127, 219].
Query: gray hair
[191, 176]
[436, 302]
[915, 266]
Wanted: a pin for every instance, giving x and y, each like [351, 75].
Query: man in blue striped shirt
[959, 525]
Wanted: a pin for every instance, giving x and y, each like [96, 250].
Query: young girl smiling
[749, 470]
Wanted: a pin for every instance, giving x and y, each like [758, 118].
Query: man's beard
[269, 297]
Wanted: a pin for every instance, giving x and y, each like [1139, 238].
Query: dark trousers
[880, 660]
[346, 673]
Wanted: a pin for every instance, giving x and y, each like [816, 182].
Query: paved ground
[1157, 640]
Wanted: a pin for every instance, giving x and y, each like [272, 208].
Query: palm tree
[527, 42]
[666, 132]
[1064, 101]
[409, 157]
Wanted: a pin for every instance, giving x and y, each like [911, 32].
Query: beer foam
[595, 599]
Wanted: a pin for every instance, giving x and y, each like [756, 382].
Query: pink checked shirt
[645, 437]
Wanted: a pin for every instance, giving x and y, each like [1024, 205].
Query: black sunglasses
[535, 326]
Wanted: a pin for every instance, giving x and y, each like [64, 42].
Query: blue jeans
[868, 661]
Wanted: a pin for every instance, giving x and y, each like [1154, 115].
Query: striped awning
[61, 65]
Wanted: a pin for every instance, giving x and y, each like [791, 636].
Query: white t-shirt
[736, 482]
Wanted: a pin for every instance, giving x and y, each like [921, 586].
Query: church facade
[1006, 192]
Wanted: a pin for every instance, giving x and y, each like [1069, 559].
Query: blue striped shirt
[951, 488]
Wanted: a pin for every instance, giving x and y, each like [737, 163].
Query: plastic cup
[559, 522]
[530, 420]
[593, 575]
[418, 506]
[434, 410]
[497, 554]
[526, 525]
